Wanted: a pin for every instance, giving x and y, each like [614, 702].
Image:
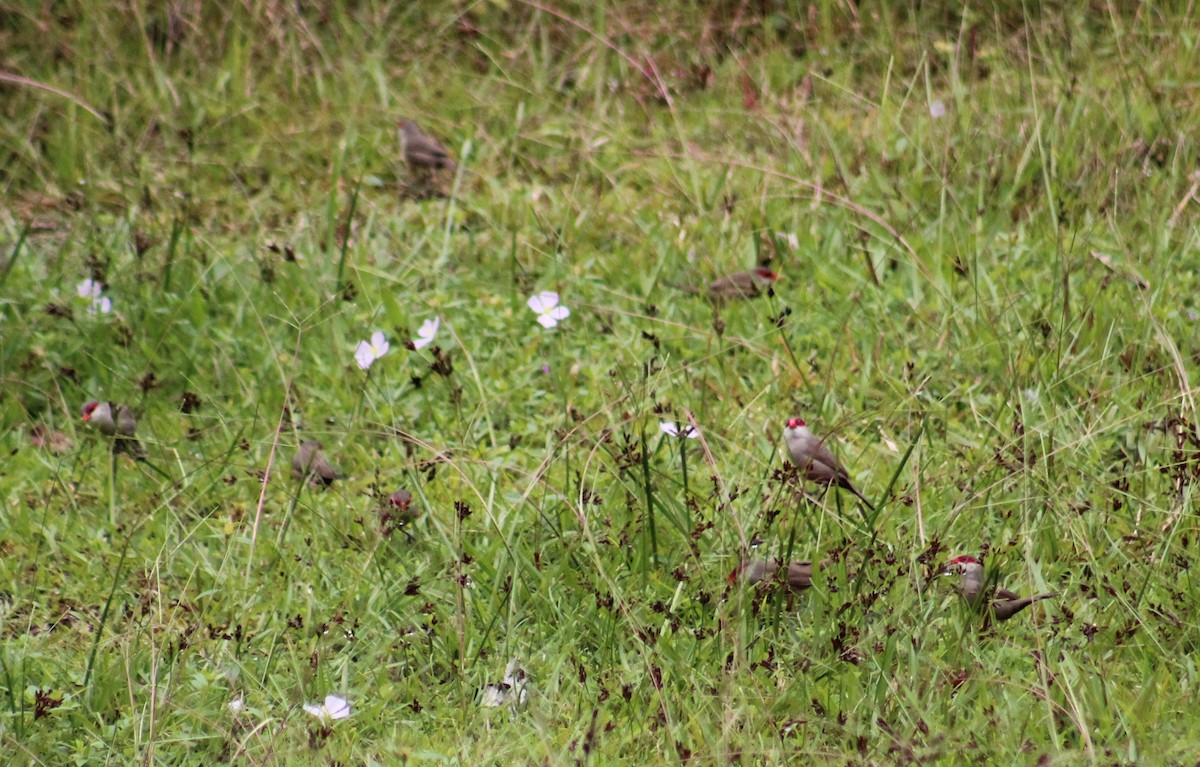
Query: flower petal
[691, 432]
[429, 328]
[560, 312]
[669, 428]
[315, 710]
[364, 355]
[336, 708]
[493, 696]
[546, 321]
[544, 301]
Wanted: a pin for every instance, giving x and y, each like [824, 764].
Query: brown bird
[402, 502]
[398, 513]
[816, 462]
[423, 152]
[122, 429]
[756, 571]
[748, 284]
[971, 586]
[311, 462]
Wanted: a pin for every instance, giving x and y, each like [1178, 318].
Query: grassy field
[985, 221]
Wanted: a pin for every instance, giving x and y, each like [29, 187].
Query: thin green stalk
[648, 486]
[169, 257]
[16, 252]
[341, 285]
[112, 592]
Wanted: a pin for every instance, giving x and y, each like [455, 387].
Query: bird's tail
[1006, 610]
[861, 497]
[130, 445]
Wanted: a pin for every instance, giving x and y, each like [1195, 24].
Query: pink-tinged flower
[94, 291]
[369, 351]
[937, 109]
[332, 709]
[89, 288]
[672, 429]
[548, 310]
[429, 329]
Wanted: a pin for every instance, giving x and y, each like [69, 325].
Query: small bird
[397, 513]
[748, 284]
[1004, 603]
[423, 152]
[402, 502]
[754, 572]
[311, 462]
[122, 429]
[815, 461]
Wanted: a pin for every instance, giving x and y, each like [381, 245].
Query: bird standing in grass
[814, 459]
[311, 462]
[756, 571]
[748, 284]
[122, 427]
[971, 586]
[401, 502]
[423, 152]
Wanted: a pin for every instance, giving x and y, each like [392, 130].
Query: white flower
[332, 709]
[237, 705]
[429, 329]
[670, 428]
[792, 240]
[547, 308]
[511, 689]
[1031, 395]
[369, 351]
[89, 288]
[93, 291]
[937, 109]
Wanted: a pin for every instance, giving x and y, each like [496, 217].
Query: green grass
[993, 313]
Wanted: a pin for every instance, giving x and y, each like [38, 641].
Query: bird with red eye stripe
[816, 461]
[116, 421]
[972, 586]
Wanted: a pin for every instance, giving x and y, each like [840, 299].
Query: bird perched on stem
[816, 462]
[973, 587]
[423, 152]
[122, 426]
[310, 462]
[748, 284]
